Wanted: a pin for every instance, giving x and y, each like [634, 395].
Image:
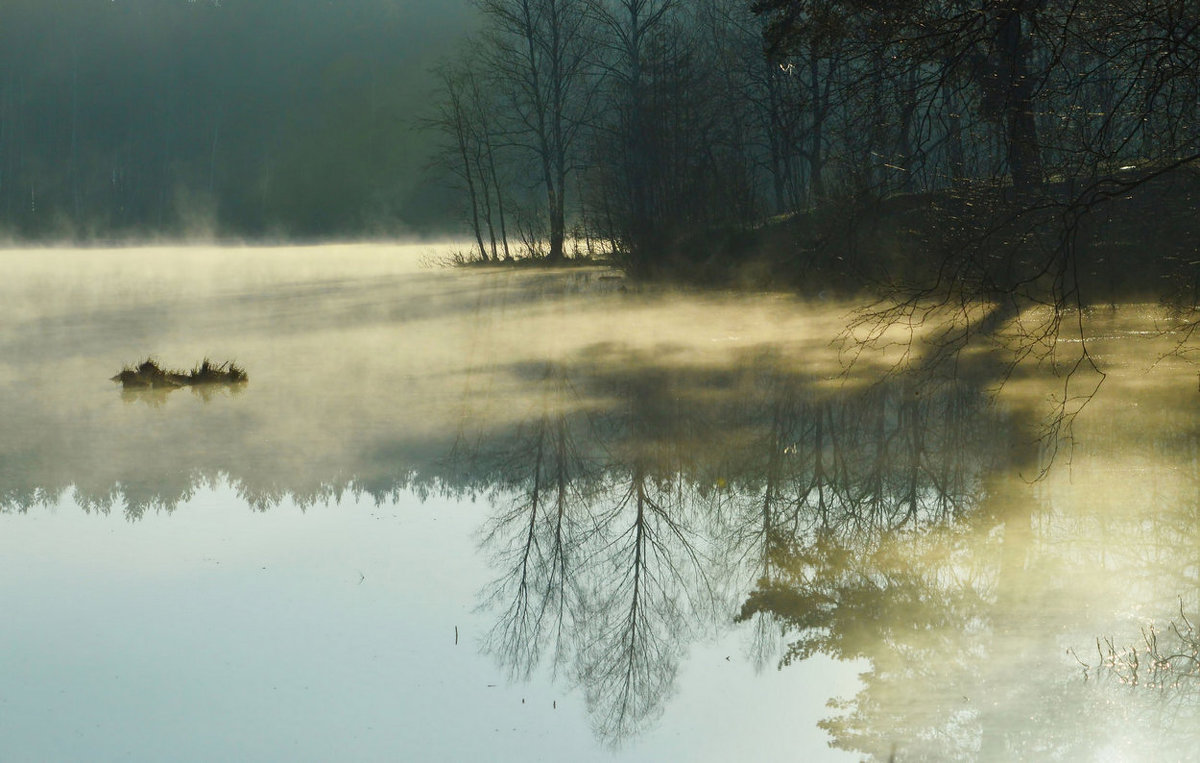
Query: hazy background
[255, 118]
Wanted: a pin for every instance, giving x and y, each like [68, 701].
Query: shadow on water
[640, 500]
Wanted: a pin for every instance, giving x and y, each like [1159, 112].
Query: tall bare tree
[538, 52]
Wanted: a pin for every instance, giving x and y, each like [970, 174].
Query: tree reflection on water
[639, 501]
[888, 523]
[636, 499]
[598, 537]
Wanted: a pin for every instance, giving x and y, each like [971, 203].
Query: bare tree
[461, 156]
[538, 54]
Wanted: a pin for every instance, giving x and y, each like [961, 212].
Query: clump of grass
[211, 373]
[149, 375]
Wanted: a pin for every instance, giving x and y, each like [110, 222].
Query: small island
[149, 375]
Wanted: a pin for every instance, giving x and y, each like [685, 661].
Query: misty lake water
[479, 514]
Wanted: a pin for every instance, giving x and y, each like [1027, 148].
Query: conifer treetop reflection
[641, 496]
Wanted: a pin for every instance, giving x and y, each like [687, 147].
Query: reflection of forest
[624, 527]
[966, 625]
[638, 502]
[890, 523]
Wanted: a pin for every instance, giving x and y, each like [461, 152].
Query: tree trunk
[1020, 128]
[954, 140]
[816, 139]
[460, 134]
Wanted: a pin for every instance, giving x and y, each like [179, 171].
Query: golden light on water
[890, 520]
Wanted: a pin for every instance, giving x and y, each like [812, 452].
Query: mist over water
[357, 355]
[530, 513]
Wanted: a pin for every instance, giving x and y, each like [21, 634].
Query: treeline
[126, 118]
[640, 122]
[632, 124]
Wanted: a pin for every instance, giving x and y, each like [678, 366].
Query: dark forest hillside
[141, 118]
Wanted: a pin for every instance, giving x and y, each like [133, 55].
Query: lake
[524, 514]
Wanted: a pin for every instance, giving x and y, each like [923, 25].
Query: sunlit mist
[615, 501]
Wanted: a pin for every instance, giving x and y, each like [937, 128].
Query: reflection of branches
[539, 536]
[949, 603]
[22, 499]
[601, 560]
[1168, 660]
[867, 474]
[631, 658]
[651, 573]
[901, 455]
[847, 601]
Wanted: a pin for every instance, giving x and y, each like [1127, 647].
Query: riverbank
[1127, 237]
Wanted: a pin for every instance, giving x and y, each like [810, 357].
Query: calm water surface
[542, 515]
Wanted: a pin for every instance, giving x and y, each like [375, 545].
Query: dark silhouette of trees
[646, 123]
[537, 53]
[631, 31]
[151, 118]
[942, 152]
[463, 115]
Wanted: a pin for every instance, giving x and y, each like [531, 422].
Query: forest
[957, 147]
[128, 120]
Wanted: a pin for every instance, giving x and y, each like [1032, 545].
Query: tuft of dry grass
[149, 375]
